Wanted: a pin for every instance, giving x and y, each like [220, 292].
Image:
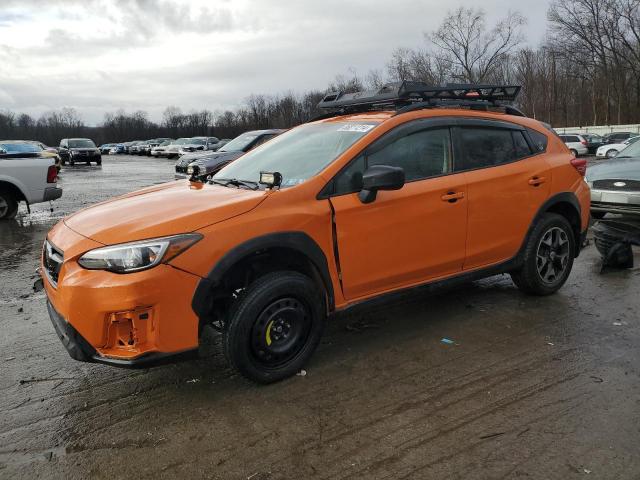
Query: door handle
[452, 197]
[535, 181]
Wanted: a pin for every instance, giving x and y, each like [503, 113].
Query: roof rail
[409, 95]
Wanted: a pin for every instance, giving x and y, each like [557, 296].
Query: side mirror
[380, 177]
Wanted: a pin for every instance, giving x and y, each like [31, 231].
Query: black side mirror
[380, 177]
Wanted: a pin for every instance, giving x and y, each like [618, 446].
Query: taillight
[580, 164]
[52, 174]
[584, 142]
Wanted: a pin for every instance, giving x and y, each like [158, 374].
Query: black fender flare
[562, 197]
[299, 241]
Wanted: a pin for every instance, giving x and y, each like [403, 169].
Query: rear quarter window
[539, 140]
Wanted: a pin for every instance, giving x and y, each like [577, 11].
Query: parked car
[105, 148]
[117, 148]
[204, 164]
[134, 147]
[74, 150]
[617, 137]
[612, 149]
[159, 151]
[151, 144]
[329, 214]
[575, 143]
[27, 174]
[49, 152]
[593, 141]
[173, 149]
[199, 144]
[615, 184]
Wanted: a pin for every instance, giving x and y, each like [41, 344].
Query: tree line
[586, 72]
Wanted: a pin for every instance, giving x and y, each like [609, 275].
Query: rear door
[507, 179]
[407, 236]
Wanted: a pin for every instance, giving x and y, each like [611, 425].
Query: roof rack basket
[409, 95]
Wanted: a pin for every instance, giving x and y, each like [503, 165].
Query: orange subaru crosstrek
[408, 186]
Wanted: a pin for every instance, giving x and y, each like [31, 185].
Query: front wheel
[548, 256]
[574, 152]
[612, 153]
[274, 327]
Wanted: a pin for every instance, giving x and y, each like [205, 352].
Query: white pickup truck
[26, 175]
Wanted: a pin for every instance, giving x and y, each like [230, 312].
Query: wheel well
[12, 189]
[255, 265]
[568, 211]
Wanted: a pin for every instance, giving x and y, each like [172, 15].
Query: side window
[563, 138]
[422, 154]
[539, 140]
[521, 145]
[485, 147]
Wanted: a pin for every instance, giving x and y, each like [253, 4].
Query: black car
[593, 141]
[74, 150]
[208, 163]
[617, 137]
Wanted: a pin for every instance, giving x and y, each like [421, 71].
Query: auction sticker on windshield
[355, 127]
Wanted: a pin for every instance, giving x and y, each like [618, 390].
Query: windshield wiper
[238, 183]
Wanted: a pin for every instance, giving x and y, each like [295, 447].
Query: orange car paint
[412, 235]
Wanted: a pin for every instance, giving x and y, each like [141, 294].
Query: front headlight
[136, 256]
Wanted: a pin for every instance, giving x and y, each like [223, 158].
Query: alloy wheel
[552, 256]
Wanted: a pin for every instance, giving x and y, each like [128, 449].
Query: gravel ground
[542, 388]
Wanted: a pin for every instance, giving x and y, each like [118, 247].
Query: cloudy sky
[102, 55]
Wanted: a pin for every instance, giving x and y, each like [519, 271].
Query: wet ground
[541, 388]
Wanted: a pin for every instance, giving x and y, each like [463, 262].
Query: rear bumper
[79, 349]
[51, 193]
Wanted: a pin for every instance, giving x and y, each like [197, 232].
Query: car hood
[618, 168]
[167, 209]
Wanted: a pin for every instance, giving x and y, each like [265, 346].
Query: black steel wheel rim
[552, 257]
[280, 332]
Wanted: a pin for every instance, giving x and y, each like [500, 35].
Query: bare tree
[472, 52]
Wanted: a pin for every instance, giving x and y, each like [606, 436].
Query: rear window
[539, 140]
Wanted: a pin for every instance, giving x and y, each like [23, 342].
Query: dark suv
[74, 150]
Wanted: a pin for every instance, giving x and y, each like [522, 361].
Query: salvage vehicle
[576, 144]
[105, 148]
[173, 149]
[49, 152]
[613, 149]
[593, 142]
[199, 144]
[617, 137]
[158, 151]
[409, 186]
[74, 150]
[615, 184]
[200, 165]
[27, 174]
[151, 144]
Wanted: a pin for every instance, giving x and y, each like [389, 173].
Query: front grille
[610, 184]
[52, 259]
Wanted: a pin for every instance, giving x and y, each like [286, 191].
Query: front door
[408, 236]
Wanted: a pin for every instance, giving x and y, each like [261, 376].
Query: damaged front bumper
[79, 349]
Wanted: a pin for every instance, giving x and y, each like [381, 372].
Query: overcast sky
[102, 55]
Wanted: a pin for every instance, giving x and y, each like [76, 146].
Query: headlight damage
[136, 256]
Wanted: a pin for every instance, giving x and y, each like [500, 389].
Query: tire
[8, 206]
[574, 152]
[63, 162]
[598, 215]
[99, 162]
[611, 153]
[275, 326]
[71, 163]
[546, 277]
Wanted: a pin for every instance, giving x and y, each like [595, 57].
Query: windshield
[20, 147]
[238, 144]
[197, 141]
[632, 150]
[298, 154]
[182, 141]
[81, 143]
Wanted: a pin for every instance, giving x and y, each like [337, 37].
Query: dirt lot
[532, 388]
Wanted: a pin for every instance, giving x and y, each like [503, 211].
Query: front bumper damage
[79, 349]
[614, 239]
